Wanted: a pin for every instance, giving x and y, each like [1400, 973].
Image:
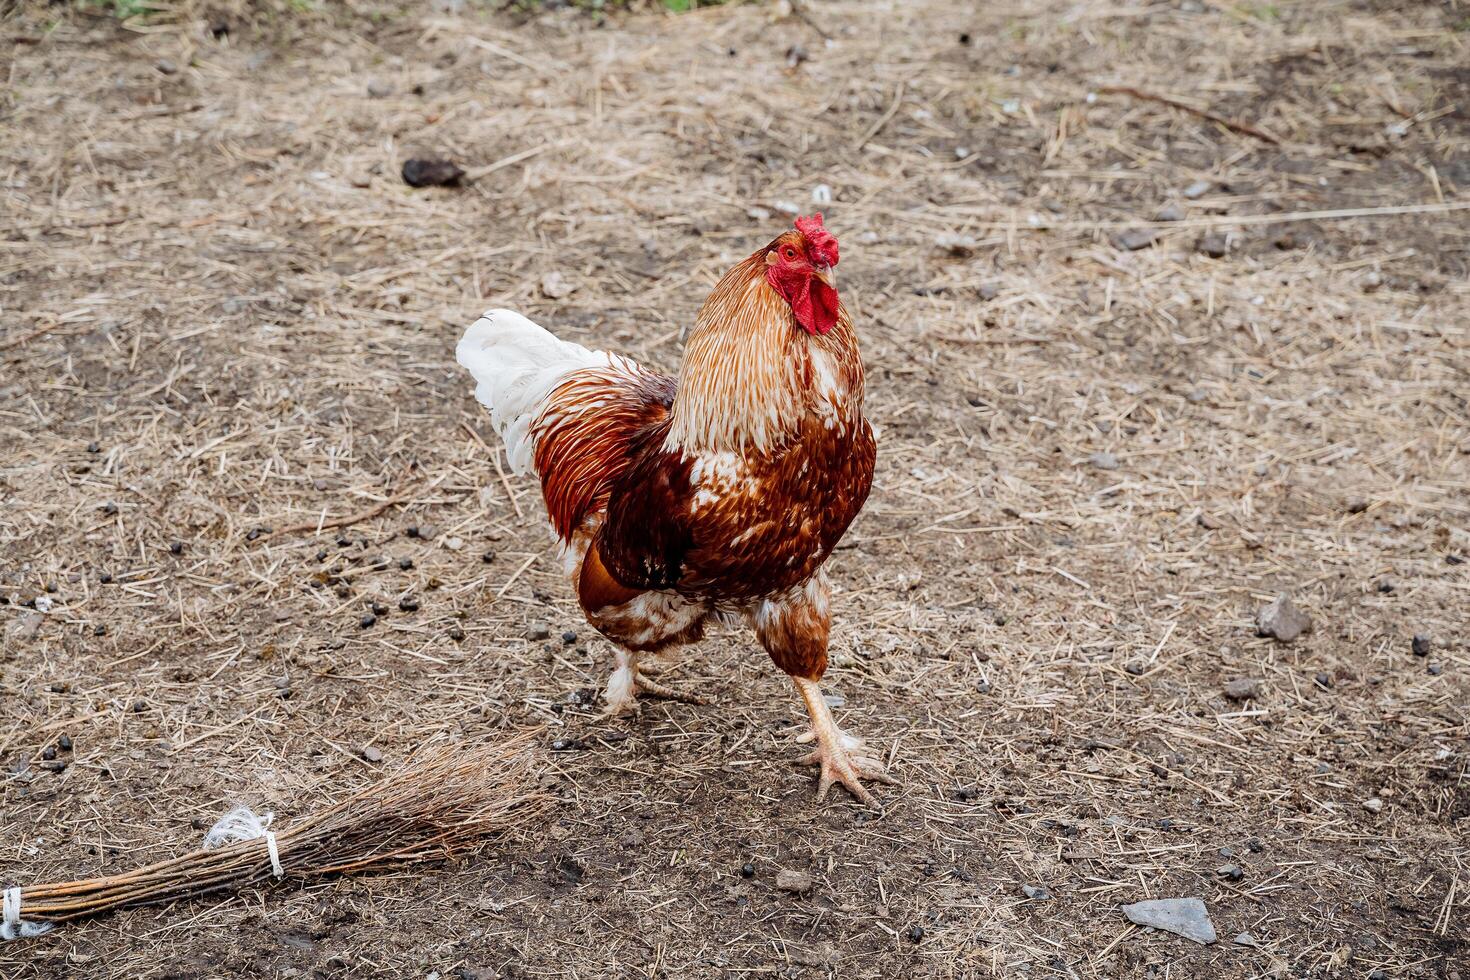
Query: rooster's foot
[627, 682]
[842, 757]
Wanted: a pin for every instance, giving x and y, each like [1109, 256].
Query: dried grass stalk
[442, 803]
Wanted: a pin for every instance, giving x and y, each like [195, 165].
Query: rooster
[721, 493]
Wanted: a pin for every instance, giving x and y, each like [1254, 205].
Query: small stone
[488, 557]
[1323, 680]
[1214, 245]
[1371, 281]
[456, 633]
[1282, 620]
[166, 67]
[368, 619]
[1232, 872]
[408, 604]
[1135, 667]
[1421, 645]
[1185, 917]
[747, 870]
[372, 754]
[93, 447]
[989, 291]
[1103, 461]
[378, 89]
[1435, 669]
[1387, 585]
[554, 285]
[1037, 893]
[538, 631]
[959, 246]
[105, 578]
[48, 753]
[569, 637]
[1357, 505]
[109, 508]
[1245, 939]
[1197, 190]
[1171, 212]
[176, 548]
[1373, 804]
[64, 743]
[427, 531]
[796, 882]
[1242, 688]
[405, 563]
[1134, 239]
[915, 933]
[431, 173]
[379, 609]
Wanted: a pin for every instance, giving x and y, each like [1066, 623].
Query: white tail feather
[516, 365]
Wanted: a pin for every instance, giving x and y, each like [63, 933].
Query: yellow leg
[627, 682]
[841, 756]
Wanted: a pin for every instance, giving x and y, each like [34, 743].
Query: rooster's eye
[788, 253]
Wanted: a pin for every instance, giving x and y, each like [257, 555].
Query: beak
[828, 275]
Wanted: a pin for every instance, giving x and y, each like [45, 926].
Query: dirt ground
[1117, 414]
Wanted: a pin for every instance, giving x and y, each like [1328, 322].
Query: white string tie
[242, 824]
[13, 926]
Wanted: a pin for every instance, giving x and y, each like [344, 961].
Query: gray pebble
[1197, 190]
[1242, 688]
[1214, 245]
[1036, 893]
[538, 631]
[1185, 917]
[796, 882]
[1171, 212]
[1103, 461]
[1282, 620]
[379, 90]
[1134, 239]
[372, 754]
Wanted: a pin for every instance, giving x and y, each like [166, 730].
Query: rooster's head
[799, 267]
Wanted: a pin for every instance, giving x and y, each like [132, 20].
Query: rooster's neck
[751, 378]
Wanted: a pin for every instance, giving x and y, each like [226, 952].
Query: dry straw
[444, 802]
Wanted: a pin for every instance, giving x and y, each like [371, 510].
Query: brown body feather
[725, 491]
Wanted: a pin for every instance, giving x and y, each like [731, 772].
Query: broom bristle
[444, 801]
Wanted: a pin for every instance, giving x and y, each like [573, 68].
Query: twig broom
[442, 803]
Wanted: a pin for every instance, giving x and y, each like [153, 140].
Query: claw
[642, 682]
[842, 757]
[627, 682]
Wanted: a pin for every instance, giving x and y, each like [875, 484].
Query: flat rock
[1242, 688]
[554, 285]
[1282, 620]
[1171, 212]
[1182, 916]
[1134, 239]
[1197, 190]
[796, 882]
[1245, 939]
[1103, 461]
[1213, 245]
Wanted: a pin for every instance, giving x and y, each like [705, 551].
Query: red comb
[820, 242]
